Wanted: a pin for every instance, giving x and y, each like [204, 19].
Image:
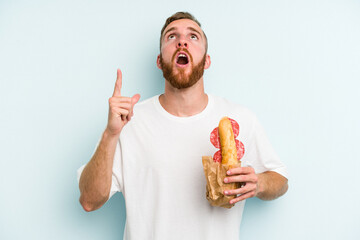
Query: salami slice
[235, 127]
[240, 149]
[217, 156]
[214, 137]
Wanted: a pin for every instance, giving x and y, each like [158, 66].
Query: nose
[182, 44]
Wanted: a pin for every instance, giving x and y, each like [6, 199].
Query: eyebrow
[190, 28]
[170, 29]
[194, 30]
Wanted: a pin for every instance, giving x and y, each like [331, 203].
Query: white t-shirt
[158, 168]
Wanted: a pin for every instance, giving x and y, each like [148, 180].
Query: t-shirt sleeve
[117, 177]
[261, 155]
[116, 182]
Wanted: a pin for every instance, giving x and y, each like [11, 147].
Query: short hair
[178, 16]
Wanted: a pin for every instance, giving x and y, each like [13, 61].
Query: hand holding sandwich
[266, 186]
[245, 175]
[236, 183]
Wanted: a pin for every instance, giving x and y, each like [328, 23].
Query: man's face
[183, 55]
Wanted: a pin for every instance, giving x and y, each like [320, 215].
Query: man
[151, 151]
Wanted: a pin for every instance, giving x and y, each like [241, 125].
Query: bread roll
[227, 142]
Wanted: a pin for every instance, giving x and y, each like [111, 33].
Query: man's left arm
[266, 186]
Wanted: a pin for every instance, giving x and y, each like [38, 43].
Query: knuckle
[112, 100]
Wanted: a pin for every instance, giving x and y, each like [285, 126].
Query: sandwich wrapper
[215, 173]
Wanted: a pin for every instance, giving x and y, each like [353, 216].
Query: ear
[207, 61]
[158, 62]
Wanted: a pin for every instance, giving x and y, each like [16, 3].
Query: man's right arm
[95, 180]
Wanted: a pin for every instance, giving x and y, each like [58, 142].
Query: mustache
[181, 50]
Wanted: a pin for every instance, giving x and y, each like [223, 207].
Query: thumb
[135, 99]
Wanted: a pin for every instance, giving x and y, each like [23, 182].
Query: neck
[184, 102]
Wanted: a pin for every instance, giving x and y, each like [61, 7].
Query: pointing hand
[120, 108]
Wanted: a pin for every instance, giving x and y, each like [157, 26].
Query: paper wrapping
[215, 173]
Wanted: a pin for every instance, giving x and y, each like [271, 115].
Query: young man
[151, 151]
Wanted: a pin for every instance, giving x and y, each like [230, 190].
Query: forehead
[183, 24]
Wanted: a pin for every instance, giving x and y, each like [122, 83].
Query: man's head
[178, 16]
[183, 48]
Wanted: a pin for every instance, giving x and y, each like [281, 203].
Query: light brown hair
[178, 16]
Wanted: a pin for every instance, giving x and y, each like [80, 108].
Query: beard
[180, 80]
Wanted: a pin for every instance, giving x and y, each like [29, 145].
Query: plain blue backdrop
[296, 64]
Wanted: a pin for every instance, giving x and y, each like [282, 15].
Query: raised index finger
[118, 83]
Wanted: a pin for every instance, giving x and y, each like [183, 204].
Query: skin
[95, 181]
[189, 101]
[266, 186]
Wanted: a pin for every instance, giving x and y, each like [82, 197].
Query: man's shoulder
[147, 101]
[230, 105]
[146, 104]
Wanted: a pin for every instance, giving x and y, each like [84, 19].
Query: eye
[193, 37]
[171, 36]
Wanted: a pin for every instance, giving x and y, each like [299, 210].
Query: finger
[118, 83]
[240, 170]
[126, 106]
[130, 116]
[120, 112]
[242, 197]
[134, 100]
[120, 100]
[241, 178]
[247, 188]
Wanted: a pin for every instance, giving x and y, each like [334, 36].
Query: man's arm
[271, 185]
[266, 186]
[95, 180]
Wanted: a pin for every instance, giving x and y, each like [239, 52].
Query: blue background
[296, 64]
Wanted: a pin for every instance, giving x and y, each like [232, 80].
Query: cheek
[199, 48]
[165, 50]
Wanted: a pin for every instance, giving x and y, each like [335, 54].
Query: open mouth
[182, 59]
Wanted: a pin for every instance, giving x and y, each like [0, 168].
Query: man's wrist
[109, 136]
[260, 185]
